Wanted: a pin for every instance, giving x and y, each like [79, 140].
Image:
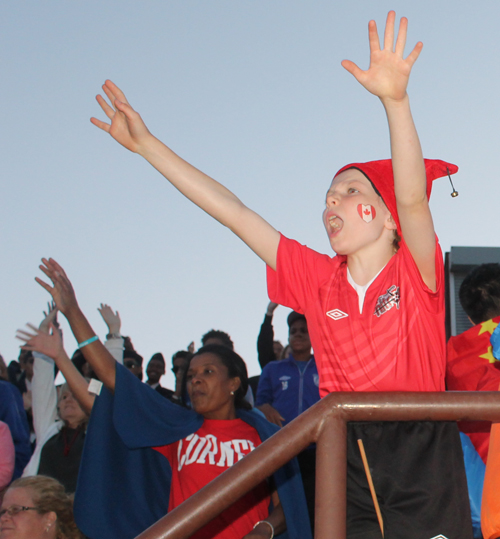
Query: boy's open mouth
[335, 223]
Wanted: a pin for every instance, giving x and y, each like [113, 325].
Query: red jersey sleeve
[299, 273]
[432, 301]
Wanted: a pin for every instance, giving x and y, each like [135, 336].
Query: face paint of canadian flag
[367, 213]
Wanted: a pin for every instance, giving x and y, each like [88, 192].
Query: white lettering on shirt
[210, 450]
[204, 449]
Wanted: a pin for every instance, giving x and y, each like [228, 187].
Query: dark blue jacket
[124, 485]
[12, 412]
[286, 388]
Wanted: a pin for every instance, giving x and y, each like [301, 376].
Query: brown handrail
[324, 423]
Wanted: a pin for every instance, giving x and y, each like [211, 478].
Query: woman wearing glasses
[37, 508]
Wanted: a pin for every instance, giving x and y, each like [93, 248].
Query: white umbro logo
[439, 537]
[336, 314]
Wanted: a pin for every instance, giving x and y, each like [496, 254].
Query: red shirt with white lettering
[203, 456]
[397, 342]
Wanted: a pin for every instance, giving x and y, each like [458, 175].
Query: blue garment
[286, 388]
[124, 485]
[474, 470]
[12, 412]
[495, 342]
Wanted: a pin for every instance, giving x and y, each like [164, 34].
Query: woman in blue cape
[144, 455]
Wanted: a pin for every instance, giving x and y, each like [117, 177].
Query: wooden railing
[325, 424]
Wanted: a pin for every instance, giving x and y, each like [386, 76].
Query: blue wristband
[88, 341]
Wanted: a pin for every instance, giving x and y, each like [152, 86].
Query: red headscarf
[381, 175]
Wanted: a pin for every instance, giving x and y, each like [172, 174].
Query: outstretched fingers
[25, 335]
[100, 124]
[373, 37]
[112, 88]
[43, 284]
[414, 54]
[389, 31]
[401, 39]
[353, 69]
[108, 110]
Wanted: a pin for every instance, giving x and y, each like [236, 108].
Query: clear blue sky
[251, 92]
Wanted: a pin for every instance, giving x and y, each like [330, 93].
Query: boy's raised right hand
[127, 126]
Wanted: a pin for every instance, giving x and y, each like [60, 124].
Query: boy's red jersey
[396, 344]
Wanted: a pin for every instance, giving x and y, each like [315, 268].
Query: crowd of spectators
[43, 427]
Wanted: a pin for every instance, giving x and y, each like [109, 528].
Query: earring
[232, 392]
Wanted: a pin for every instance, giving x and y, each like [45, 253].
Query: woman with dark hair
[139, 442]
[37, 508]
[235, 366]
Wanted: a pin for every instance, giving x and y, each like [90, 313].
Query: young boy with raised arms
[375, 311]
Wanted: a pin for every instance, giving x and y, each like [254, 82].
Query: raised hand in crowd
[63, 294]
[72, 406]
[112, 319]
[271, 308]
[47, 340]
[267, 348]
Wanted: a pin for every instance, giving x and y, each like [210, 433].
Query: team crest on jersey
[387, 301]
[284, 382]
[316, 380]
[336, 314]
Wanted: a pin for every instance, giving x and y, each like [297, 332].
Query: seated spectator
[7, 457]
[289, 387]
[60, 421]
[132, 428]
[37, 508]
[471, 365]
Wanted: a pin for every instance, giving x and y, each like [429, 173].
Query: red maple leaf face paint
[367, 213]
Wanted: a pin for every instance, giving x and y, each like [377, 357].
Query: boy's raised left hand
[388, 74]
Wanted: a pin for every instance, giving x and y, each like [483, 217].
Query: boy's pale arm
[387, 78]
[128, 129]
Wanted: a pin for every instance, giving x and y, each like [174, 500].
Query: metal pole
[331, 480]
